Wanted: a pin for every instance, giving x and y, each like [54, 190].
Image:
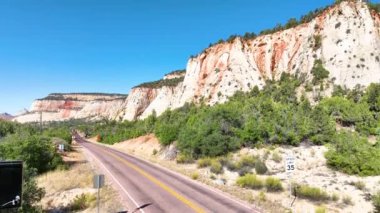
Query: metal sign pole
[98, 182]
[290, 168]
[98, 199]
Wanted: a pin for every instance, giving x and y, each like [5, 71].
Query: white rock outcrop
[60, 107]
[348, 46]
[345, 37]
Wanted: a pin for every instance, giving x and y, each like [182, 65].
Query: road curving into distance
[150, 188]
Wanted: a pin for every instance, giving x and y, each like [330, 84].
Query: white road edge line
[113, 177]
[207, 187]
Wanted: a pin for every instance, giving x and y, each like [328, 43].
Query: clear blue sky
[111, 45]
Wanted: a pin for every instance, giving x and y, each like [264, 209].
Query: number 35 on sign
[290, 165]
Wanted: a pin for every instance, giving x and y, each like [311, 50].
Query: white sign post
[61, 147]
[290, 167]
[98, 182]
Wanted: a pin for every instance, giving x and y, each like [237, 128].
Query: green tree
[352, 154]
[319, 72]
[323, 126]
[291, 23]
[36, 151]
[31, 193]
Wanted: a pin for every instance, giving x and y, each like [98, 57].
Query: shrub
[155, 152]
[166, 133]
[311, 193]
[266, 154]
[335, 197]
[216, 167]
[276, 157]
[36, 151]
[195, 176]
[319, 72]
[232, 166]
[82, 202]
[273, 184]
[347, 200]
[317, 42]
[244, 170]
[98, 138]
[376, 201]
[246, 161]
[260, 167]
[359, 185]
[352, 154]
[62, 132]
[320, 209]
[372, 97]
[161, 83]
[348, 113]
[204, 162]
[262, 196]
[210, 132]
[31, 193]
[250, 181]
[7, 127]
[374, 6]
[224, 160]
[184, 159]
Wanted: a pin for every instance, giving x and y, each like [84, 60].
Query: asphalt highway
[150, 188]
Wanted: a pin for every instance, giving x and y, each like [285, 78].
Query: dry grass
[77, 176]
[109, 201]
[62, 186]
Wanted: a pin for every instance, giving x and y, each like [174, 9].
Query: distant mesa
[6, 116]
[83, 96]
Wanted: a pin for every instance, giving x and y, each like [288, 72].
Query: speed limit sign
[290, 165]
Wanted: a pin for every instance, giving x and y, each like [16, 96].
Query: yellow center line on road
[195, 207]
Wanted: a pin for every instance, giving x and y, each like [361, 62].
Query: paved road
[157, 189]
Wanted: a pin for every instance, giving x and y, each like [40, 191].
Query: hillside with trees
[273, 115]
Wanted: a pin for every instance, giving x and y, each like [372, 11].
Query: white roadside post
[290, 167]
[61, 147]
[98, 182]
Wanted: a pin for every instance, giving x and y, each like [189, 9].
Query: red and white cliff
[345, 37]
[60, 107]
[349, 47]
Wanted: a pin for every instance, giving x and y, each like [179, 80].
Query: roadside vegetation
[251, 181]
[310, 193]
[376, 201]
[37, 150]
[273, 115]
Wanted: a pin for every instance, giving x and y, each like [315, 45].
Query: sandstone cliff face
[146, 99]
[60, 107]
[345, 37]
[138, 100]
[164, 100]
[349, 49]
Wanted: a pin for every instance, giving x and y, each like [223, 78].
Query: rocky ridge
[60, 107]
[345, 37]
[5, 116]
